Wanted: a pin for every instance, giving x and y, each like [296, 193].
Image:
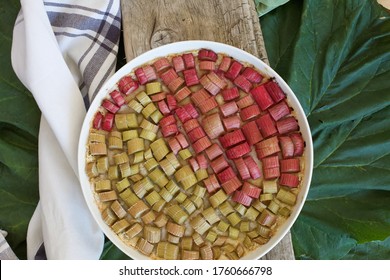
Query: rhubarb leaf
[334, 55]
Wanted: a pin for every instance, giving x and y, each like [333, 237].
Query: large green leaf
[19, 121]
[335, 56]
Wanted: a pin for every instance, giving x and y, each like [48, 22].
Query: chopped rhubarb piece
[158, 96]
[189, 107]
[267, 147]
[254, 169]
[231, 123]
[229, 108]
[230, 94]
[225, 63]
[163, 107]
[287, 146]
[275, 91]
[108, 122]
[289, 180]
[251, 190]
[97, 120]
[117, 97]
[299, 144]
[242, 198]
[190, 125]
[202, 161]
[142, 79]
[109, 106]
[219, 82]
[171, 101]
[287, 125]
[195, 134]
[169, 130]
[238, 151]
[262, 98]
[150, 73]
[182, 140]
[168, 76]
[176, 84]
[207, 65]
[194, 164]
[250, 112]
[182, 114]
[167, 120]
[245, 101]
[127, 85]
[189, 60]
[202, 144]
[232, 138]
[243, 83]
[161, 64]
[209, 85]
[182, 93]
[270, 162]
[242, 169]
[178, 63]
[191, 77]
[226, 174]
[290, 165]
[279, 110]
[174, 145]
[208, 105]
[252, 75]
[219, 164]
[211, 183]
[213, 151]
[271, 173]
[266, 125]
[234, 70]
[206, 54]
[200, 96]
[212, 125]
[252, 133]
[231, 185]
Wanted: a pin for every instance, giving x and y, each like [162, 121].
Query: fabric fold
[63, 52]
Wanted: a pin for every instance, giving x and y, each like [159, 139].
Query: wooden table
[150, 24]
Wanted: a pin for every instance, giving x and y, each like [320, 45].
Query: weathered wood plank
[149, 24]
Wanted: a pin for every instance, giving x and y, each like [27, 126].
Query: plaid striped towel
[6, 252]
[63, 51]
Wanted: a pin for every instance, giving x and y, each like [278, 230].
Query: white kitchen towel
[63, 51]
[6, 252]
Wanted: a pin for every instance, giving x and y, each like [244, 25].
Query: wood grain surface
[153, 23]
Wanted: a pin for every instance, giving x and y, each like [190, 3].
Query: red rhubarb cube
[127, 85]
[234, 70]
[262, 98]
[289, 180]
[232, 138]
[275, 91]
[252, 133]
[243, 83]
[267, 147]
[266, 125]
[205, 54]
[230, 94]
[238, 151]
[252, 75]
[191, 77]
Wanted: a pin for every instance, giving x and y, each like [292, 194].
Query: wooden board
[150, 24]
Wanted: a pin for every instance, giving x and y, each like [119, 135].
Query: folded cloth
[63, 51]
[6, 252]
